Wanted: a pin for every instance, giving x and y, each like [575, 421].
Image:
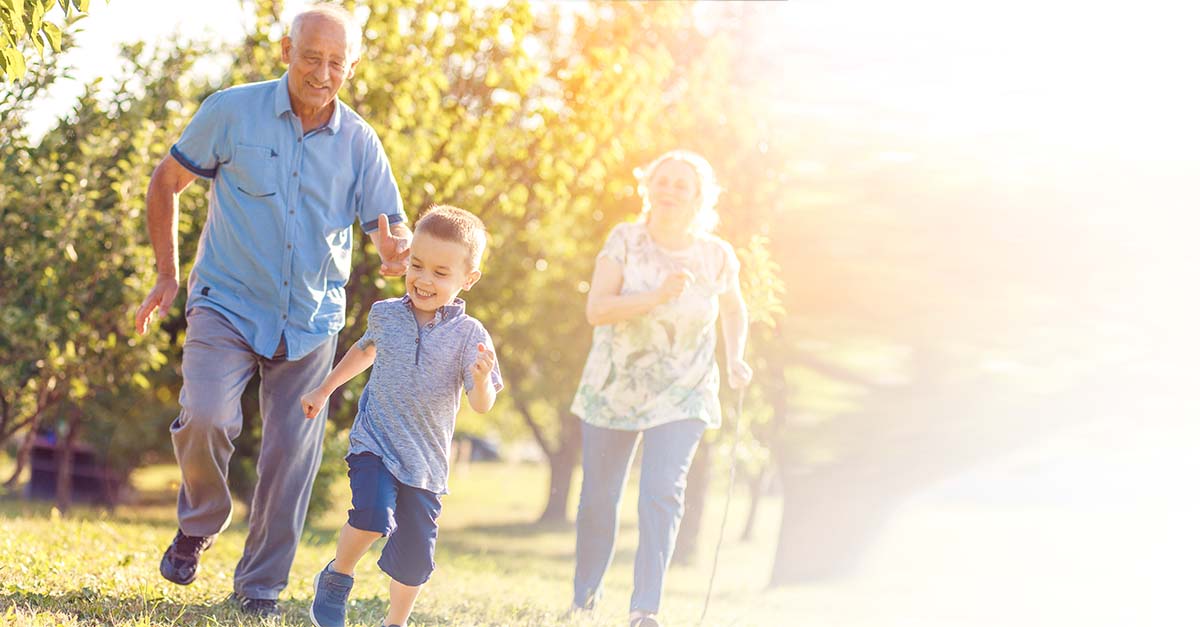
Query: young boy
[425, 349]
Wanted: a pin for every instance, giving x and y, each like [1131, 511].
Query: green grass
[94, 567]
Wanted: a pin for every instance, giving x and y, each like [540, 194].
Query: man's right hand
[159, 300]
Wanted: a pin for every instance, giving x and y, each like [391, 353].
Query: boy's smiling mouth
[422, 293]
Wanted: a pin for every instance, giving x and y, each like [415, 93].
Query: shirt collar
[445, 312]
[283, 104]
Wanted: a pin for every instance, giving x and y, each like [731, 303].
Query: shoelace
[189, 545]
[257, 604]
[335, 590]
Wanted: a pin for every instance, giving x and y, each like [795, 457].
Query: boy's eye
[441, 274]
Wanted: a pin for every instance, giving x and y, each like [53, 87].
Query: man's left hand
[393, 250]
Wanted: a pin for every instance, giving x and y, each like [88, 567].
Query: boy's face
[437, 271]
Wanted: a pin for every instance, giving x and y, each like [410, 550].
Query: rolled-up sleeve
[377, 192]
[204, 144]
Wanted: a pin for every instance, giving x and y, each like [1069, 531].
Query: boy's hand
[312, 402]
[485, 360]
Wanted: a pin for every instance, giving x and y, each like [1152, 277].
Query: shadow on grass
[88, 605]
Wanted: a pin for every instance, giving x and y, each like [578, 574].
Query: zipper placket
[421, 329]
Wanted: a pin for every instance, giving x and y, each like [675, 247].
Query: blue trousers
[667, 452]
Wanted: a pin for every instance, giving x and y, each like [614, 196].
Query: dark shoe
[330, 592]
[644, 621]
[182, 558]
[259, 608]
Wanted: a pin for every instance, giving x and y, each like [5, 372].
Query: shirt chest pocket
[254, 170]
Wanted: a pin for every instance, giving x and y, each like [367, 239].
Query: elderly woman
[657, 288]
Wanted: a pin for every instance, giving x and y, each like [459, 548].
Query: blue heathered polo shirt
[407, 410]
[274, 255]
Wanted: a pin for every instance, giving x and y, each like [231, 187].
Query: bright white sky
[111, 23]
[1069, 72]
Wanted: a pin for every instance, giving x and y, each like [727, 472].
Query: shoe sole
[311, 614]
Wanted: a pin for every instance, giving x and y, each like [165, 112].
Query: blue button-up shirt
[274, 255]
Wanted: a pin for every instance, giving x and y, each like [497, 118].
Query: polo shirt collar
[283, 104]
[445, 312]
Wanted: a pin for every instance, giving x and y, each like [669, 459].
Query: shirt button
[295, 174]
[289, 246]
[299, 139]
[285, 282]
[285, 316]
[292, 211]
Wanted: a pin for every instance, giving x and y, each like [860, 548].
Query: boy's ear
[472, 278]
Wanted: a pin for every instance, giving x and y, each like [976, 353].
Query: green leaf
[37, 43]
[18, 19]
[35, 23]
[53, 35]
[15, 63]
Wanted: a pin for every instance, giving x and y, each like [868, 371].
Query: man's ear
[286, 49]
[350, 73]
[472, 278]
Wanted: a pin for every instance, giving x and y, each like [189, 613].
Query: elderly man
[292, 168]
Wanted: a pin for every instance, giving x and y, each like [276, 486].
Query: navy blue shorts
[407, 516]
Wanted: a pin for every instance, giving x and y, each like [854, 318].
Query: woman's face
[674, 192]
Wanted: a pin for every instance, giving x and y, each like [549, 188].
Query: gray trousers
[667, 452]
[217, 365]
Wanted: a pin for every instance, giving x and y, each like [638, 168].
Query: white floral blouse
[658, 367]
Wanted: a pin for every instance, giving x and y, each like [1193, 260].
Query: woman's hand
[674, 285]
[739, 373]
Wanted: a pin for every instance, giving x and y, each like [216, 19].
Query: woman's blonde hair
[706, 216]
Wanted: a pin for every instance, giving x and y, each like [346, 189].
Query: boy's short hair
[455, 225]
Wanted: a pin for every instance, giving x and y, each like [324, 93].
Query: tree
[75, 256]
[26, 22]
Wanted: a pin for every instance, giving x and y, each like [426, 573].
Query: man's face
[318, 60]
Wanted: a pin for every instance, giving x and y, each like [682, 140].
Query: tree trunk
[757, 486]
[829, 521]
[23, 455]
[562, 470]
[66, 459]
[695, 497]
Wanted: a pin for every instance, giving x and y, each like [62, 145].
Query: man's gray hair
[337, 13]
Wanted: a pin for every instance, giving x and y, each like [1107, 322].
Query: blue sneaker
[330, 591]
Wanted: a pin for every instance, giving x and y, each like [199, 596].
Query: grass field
[95, 567]
[1096, 529]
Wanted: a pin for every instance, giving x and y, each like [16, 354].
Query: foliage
[27, 22]
[76, 259]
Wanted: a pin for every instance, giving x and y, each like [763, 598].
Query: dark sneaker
[182, 558]
[330, 591]
[260, 608]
